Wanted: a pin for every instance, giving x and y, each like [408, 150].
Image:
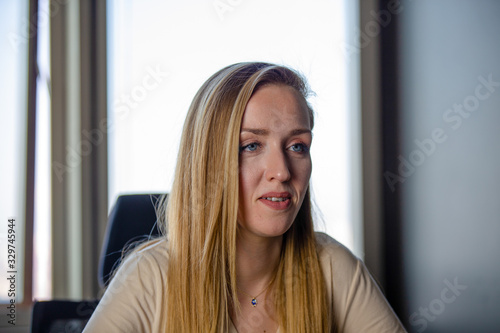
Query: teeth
[276, 199]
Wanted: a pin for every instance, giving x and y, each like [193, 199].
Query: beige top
[132, 301]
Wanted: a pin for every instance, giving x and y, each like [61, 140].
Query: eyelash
[304, 148]
[243, 148]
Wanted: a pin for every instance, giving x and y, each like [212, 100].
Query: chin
[265, 226]
[277, 231]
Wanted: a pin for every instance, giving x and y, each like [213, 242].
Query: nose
[277, 167]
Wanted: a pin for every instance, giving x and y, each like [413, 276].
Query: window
[14, 25]
[161, 52]
[42, 236]
[13, 92]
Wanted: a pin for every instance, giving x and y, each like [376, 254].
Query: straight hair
[201, 216]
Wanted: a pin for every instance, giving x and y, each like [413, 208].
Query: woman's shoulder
[156, 249]
[133, 299]
[151, 257]
[353, 294]
[336, 259]
[146, 262]
[330, 248]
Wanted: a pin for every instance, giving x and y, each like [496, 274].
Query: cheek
[303, 180]
[309, 169]
[247, 187]
[247, 182]
[303, 172]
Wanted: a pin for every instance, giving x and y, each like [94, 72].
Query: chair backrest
[132, 220]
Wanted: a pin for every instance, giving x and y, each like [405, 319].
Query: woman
[240, 253]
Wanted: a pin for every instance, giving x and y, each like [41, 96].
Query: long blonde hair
[201, 216]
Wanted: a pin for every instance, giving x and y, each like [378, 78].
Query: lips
[276, 200]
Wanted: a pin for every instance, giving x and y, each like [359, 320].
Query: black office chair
[61, 316]
[132, 220]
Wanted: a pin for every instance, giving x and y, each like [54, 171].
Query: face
[275, 165]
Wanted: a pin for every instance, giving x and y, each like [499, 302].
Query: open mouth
[275, 199]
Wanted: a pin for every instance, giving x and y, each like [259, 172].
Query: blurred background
[406, 142]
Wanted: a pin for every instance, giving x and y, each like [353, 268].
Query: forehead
[276, 106]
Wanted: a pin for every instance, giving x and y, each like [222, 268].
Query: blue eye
[299, 148]
[250, 147]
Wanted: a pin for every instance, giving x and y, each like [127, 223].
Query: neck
[257, 261]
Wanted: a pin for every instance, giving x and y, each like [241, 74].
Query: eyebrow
[259, 131]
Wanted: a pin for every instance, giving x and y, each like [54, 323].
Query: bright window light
[42, 227]
[13, 94]
[160, 53]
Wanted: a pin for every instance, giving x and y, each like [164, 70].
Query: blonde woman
[239, 252]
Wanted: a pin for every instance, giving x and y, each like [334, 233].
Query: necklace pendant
[254, 302]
